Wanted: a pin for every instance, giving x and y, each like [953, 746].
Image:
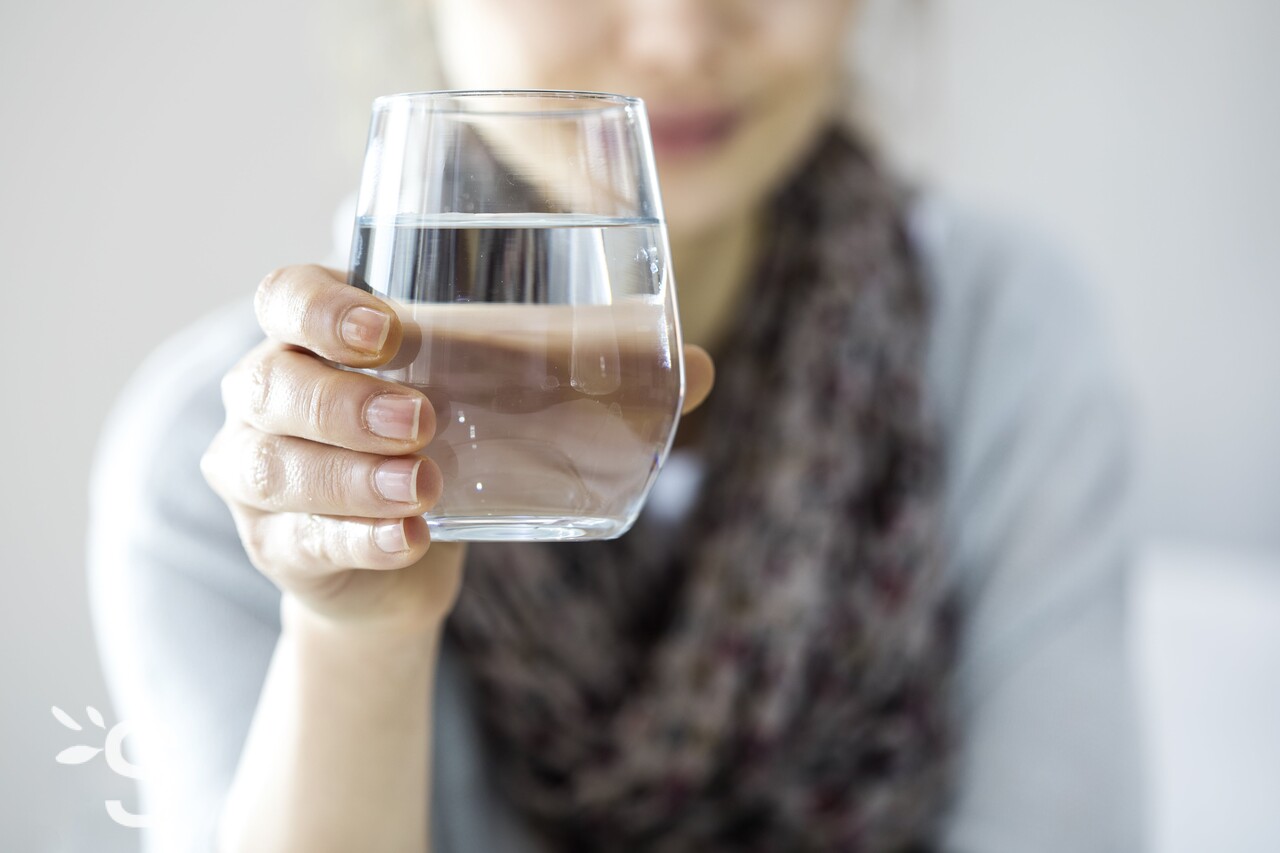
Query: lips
[681, 133]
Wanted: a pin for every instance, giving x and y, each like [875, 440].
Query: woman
[875, 602]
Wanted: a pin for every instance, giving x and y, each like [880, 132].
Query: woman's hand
[322, 470]
[321, 467]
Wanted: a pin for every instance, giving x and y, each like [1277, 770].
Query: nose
[673, 38]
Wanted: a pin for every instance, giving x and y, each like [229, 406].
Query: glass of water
[519, 236]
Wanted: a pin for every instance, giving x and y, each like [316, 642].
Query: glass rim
[445, 101]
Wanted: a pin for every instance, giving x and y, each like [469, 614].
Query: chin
[707, 189]
[699, 198]
[693, 208]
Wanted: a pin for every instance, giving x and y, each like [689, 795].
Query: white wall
[159, 157]
[1146, 135]
[1206, 629]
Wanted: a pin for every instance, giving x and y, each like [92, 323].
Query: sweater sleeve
[1039, 540]
[186, 626]
[184, 623]
[1038, 530]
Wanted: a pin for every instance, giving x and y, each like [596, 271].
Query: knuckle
[207, 468]
[321, 315]
[312, 537]
[252, 532]
[348, 548]
[263, 373]
[212, 461]
[331, 477]
[254, 536]
[318, 401]
[329, 542]
[233, 382]
[263, 470]
[268, 291]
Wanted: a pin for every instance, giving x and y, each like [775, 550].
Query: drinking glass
[519, 236]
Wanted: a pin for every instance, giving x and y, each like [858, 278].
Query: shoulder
[1015, 328]
[185, 625]
[177, 372]
[1038, 535]
[149, 504]
[176, 376]
[1023, 382]
[1009, 305]
[173, 398]
[965, 245]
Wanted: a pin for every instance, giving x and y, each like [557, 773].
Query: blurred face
[736, 89]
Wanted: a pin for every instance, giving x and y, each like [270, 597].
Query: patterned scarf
[772, 676]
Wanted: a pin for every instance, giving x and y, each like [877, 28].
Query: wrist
[306, 625]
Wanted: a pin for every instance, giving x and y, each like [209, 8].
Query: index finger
[312, 307]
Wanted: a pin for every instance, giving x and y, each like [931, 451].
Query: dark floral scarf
[770, 677]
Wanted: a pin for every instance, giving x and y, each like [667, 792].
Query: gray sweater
[1037, 529]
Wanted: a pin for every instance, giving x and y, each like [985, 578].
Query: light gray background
[158, 158]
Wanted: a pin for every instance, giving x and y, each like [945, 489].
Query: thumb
[699, 376]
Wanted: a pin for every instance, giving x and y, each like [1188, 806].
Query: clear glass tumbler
[519, 235]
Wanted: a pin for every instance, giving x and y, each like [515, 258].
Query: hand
[321, 468]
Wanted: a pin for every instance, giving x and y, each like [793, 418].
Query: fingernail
[394, 416]
[365, 329]
[397, 480]
[389, 536]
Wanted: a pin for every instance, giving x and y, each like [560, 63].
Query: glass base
[524, 528]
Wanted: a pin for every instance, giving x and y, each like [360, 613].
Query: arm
[187, 624]
[184, 624]
[338, 755]
[186, 583]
